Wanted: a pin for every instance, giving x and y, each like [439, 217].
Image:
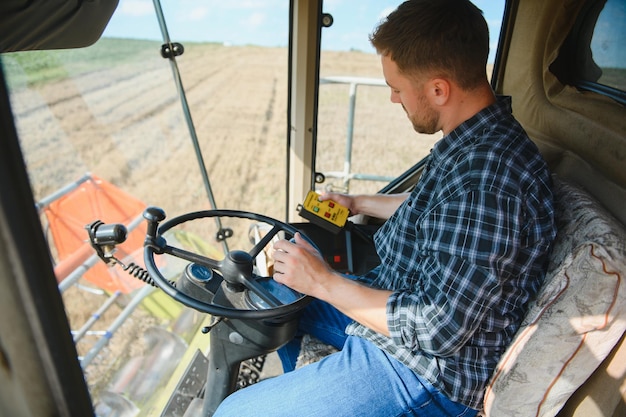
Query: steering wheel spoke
[191, 257]
[265, 240]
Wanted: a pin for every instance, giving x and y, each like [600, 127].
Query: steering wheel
[236, 269]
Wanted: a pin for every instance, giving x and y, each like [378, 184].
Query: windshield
[104, 134]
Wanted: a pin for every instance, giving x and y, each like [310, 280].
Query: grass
[37, 68]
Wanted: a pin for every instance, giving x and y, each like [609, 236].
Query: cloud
[136, 8]
[256, 19]
[385, 12]
[197, 13]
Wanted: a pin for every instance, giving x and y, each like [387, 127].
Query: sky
[263, 22]
[610, 36]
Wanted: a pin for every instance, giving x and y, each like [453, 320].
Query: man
[461, 255]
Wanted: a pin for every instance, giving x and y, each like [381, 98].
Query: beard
[425, 120]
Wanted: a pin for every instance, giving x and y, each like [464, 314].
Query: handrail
[346, 175]
[96, 316]
[46, 201]
[119, 320]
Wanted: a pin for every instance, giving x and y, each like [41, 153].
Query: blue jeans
[360, 380]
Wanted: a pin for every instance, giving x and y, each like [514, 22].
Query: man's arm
[381, 206]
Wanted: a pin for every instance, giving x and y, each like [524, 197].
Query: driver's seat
[576, 321]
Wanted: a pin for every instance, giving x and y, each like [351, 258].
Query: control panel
[327, 214]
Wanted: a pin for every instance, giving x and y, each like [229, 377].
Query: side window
[594, 56]
[363, 140]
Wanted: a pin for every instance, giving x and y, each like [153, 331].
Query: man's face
[411, 94]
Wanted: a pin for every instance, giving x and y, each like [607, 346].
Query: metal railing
[347, 175]
[109, 300]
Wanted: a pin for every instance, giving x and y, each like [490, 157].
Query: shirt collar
[467, 132]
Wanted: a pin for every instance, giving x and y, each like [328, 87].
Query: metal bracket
[172, 50]
[223, 234]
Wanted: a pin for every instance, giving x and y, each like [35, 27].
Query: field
[123, 122]
[112, 110]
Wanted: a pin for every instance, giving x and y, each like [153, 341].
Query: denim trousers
[359, 380]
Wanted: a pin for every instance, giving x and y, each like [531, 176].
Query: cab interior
[563, 64]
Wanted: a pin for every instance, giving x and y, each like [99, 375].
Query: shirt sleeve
[468, 244]
[369, 277]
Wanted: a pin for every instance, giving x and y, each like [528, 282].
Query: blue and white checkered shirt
[465, 253]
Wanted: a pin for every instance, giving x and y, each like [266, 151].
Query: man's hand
[299, 266]
[346, 200]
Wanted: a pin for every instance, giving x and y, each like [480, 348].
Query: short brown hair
[445, 37]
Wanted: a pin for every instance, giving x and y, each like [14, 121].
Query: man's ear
[439, 91]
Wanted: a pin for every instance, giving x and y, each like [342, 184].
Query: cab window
[593, 58]
[363, 140]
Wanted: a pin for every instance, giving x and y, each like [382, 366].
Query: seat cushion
[577, 317]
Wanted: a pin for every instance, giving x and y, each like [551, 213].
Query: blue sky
[263, 22]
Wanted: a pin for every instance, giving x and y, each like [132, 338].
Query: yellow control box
[327, 214]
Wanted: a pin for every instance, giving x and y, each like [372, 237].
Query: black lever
[153, 215]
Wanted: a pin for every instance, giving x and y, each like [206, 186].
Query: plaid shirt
[465, 253]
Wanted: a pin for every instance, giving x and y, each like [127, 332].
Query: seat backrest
[577, 318]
